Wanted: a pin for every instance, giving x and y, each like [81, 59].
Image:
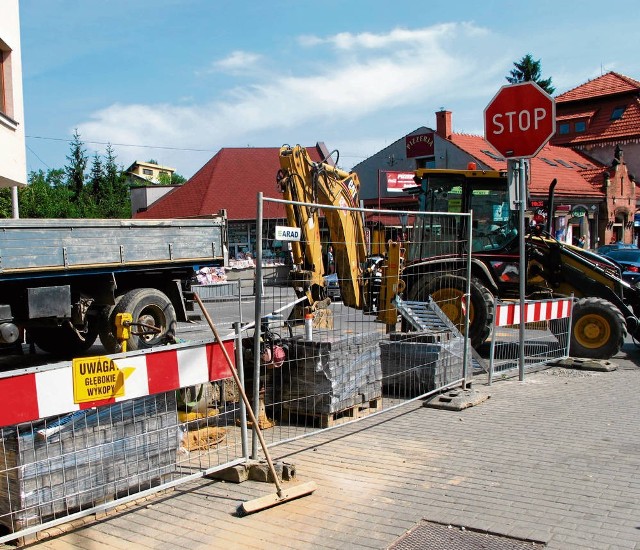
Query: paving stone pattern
[553, 459]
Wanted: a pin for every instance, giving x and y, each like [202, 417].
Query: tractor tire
[63, 341]
[148, 306]
[447, 291]
[598, 329]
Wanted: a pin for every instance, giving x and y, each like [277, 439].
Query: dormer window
[580, 126]
[617, 113]
[564, 128]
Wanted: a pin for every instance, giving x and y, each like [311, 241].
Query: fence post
[467, 297]
[493, 339]
[243, 408]
[257, 327]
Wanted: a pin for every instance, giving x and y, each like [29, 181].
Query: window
[580, 165]
[6, 106]
[564, 163]
[147, 171]
[550, 163]
[580, 126]
[564, 128]
[492, 155]
[617, 113]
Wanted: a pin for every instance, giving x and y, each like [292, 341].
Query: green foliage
[77, 165]
[171, 179]
[529, 70]
[71, 192]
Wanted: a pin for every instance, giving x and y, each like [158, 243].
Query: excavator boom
[322, 184]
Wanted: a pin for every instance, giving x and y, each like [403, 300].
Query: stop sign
[519, 120]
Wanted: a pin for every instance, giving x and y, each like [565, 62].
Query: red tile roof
[577, 174]
[231, 180]
[600, 127]
[595, 101]
[611, 83]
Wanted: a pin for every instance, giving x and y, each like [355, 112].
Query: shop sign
[399, 181]
[579, 211]
[420, 145]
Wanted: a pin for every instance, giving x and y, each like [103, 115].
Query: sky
[177, 80]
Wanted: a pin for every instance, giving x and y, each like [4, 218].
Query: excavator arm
[320, 183]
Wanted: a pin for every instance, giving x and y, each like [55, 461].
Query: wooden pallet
[327, 420]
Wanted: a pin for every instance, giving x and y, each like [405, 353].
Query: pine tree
[76, 167]
[116, 203]
[529, 70]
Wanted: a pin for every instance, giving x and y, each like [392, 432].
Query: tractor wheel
[447, 291]
[598, 329]
[147, 306]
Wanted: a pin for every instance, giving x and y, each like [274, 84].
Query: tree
[76, 167]
[116, 202]
[529, 70]
[171, 179]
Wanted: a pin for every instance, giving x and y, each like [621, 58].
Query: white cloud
[369, 76]
[237, 62]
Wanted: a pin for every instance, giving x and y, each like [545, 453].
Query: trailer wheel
[107, 327]
[151, 307]
[447, 291]
[598, 329]
[63, 341]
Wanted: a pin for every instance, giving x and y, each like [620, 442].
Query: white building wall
[13, 159]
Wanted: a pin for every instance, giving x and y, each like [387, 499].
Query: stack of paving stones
[332, 373]
[52, 468]
[414, 363]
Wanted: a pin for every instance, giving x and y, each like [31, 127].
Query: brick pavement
[554, 459]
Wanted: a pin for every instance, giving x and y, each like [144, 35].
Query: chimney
[443, 124]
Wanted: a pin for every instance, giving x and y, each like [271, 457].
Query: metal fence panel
[547, 330]
[358, 360]
[178, 418]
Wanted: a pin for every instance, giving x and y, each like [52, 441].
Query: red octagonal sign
[519, 120]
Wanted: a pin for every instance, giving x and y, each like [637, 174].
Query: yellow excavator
[311, 186]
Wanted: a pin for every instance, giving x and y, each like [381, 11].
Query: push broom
[281, 495]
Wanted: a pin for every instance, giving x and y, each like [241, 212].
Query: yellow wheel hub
[592, 331]
[449, 300]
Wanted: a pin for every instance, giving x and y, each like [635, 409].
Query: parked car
[332, 287]
[629, 261]
[606, 248]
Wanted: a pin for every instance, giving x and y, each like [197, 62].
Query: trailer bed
[45, 245]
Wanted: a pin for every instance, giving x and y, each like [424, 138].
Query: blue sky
[177, 80]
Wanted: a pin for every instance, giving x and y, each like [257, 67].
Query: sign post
[518, 122]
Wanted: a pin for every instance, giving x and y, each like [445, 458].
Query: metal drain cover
[435, 536]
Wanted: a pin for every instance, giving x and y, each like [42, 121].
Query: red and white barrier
[509, 313]
[35, 395]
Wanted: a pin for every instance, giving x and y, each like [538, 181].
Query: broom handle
[236, 378]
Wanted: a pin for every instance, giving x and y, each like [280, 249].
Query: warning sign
[96, 378]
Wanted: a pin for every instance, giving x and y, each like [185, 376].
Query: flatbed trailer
[64, 281]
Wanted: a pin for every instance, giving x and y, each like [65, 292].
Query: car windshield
[625, 255]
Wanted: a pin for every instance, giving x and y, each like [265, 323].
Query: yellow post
[391, 285]
[123, 331]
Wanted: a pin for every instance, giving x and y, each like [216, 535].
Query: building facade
[13, 168]
[599, 116]
[593, 199]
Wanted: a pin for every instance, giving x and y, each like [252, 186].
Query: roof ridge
[569, 94]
